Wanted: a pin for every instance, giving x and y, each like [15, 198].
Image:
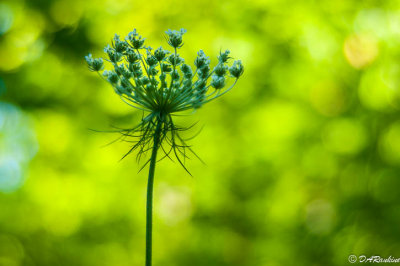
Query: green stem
[150, 182]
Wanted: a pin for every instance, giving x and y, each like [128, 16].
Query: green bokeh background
[302, 156]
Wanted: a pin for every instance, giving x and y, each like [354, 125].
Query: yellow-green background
[302, 156]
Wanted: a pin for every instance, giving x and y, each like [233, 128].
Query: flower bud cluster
[160, 81]
[94, 64]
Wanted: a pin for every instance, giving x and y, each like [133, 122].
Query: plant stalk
[149, 204]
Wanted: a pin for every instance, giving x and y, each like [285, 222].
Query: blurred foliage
[302, 158]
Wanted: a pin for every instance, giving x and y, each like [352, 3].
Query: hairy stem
[150, 182]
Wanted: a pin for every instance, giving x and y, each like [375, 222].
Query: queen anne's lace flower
[161, 84]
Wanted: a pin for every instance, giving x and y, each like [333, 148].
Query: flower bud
[187, 71]
[135, 39]
[217, 82]
[186, 68]
[201, 59]
[118, 45]
[187, 83]
[98, 64]
[95, 64]
[199, 86]
[135, 69]
[223, 57]
[151, 60]
[175, 75]
[175, 37]
[112, 54]
[236, 69]
[126, 72]
[203, 72]
[89, 59]
[112, 77]
[163, 78]
[160, 53]
[119, 69]
[131, 56]
[220, 70]
[175, 60]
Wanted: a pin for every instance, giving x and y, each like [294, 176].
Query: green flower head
[175, 37]
[161, 84]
